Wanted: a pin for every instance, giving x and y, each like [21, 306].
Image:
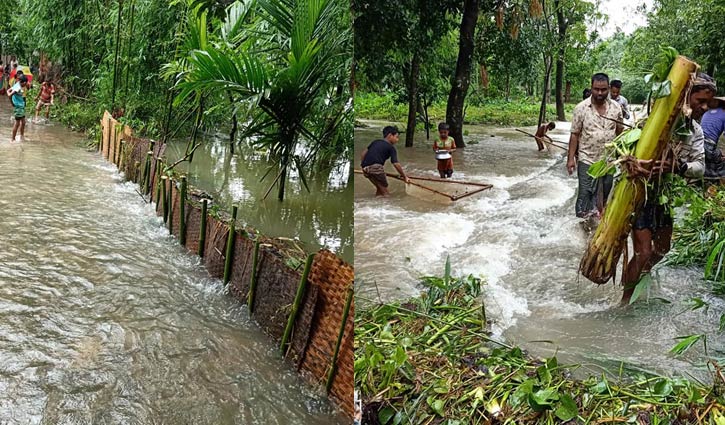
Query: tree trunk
[567, 92]
[412, 99]
[545, 95]
[462, 78]
[562, 24]
[604, 249]
[426, 117]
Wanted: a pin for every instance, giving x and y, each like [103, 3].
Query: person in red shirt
[45, 98]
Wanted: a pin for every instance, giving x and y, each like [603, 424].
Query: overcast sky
[623, 14]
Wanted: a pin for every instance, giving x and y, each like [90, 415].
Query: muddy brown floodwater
[106, 319]
[523, 238]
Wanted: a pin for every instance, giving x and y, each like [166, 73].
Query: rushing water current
[522, 236]
[105, 319]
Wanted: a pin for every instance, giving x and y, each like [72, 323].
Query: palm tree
[287, 65]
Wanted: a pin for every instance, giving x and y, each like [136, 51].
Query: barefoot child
[444, 142]
[16, 96]
[45, 98]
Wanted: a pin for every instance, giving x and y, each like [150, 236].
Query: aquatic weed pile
[431, 361]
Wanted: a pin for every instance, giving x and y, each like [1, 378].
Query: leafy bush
[524, 112]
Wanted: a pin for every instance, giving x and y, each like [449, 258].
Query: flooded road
[320, 217]
[105, 319]
[522, 236]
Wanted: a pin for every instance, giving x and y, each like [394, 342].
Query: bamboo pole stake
[117, 149]
[163, 198]
[338, 344]
[230, 247]
[123, 154]
[147, 172]
[253, 280]
[182, 210]
[158, 182]
[296, 305]
[170, 200]
[202, 231]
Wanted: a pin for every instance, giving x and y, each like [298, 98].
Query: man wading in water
[374, 157]
[594, 123]
[652, 230]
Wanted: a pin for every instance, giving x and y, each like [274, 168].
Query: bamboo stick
[170, 200]
[164, 197]
[202, 231]
[230, 247]
[253, 279]
[541, 139]
[182, 210]
[430, 179]
[333, 364]
[158, 182]
[123, 154]
[117, 149]
[146, 173]
[296, 304]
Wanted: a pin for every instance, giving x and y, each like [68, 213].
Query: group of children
[20, 84]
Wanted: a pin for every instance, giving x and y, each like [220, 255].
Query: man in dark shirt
[374, 157]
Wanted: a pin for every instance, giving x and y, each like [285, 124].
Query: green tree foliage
[694, 28]
[288, 66]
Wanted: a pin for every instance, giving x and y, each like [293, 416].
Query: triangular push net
[444, 191]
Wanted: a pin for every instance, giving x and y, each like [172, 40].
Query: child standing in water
[444, 142]
[16, 94]
[45, 98]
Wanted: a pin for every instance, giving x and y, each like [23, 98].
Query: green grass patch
[430, 360]
[496, 112]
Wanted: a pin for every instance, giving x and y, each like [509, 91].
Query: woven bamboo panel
[193, 227]
[276, 288]
[241, 267]
[303, 326]
[332, 277]
[214, 250]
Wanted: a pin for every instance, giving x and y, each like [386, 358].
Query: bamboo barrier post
[253, 279]
[296, 305]
[202, 231]
[170, 200]
[333, 365]
[158, 183]
[147, 172]
[164, 197]
[149, 159]
[112, 149]
[111, 130]
[123, 153]
[182, 217]
[230, 248]
[117, 153]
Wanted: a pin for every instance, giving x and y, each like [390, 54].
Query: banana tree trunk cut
[610, 238]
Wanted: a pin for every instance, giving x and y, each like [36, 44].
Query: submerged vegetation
[430, 360]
